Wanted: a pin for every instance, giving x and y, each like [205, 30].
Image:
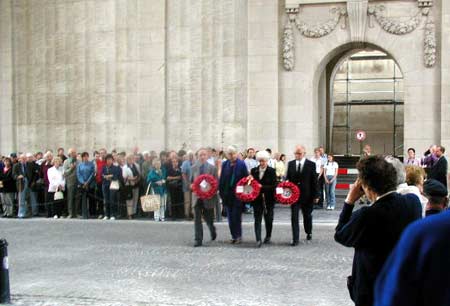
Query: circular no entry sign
[360, 135]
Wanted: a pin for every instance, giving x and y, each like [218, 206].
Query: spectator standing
[132, 181]
[70, 176]
[331, 172]
[56, 183]
[437, 195]
[373, 230]
[157, 178]
[43, 173]
[7, 188]
[175, 188]
[417, 272]
[440, 167]
[112, 179]
[412, 160]
[318, 161]
[186, 167]
[86, 183]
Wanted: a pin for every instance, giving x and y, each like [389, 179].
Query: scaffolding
[365, 98]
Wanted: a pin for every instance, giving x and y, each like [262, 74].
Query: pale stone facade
[166, 74]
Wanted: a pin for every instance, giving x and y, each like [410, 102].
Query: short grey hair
[232, 149]
[263, 155]
[399, 168]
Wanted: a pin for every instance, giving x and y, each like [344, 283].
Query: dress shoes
[308, 237]
[238, 241]
[294, 243]
[197, 244]
[258, 244]
[213, 236]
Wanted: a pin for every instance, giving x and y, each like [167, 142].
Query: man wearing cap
[437, 196]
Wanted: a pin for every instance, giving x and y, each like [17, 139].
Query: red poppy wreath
[247, 189]
[287, 193]
[205, 186]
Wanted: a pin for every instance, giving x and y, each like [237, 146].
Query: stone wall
[88, 74]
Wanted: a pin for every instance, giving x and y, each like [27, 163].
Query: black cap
[434, 188]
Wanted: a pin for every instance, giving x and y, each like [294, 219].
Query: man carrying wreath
[302, 172]
[204, 207]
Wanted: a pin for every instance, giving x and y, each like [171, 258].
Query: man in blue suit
[233, 170]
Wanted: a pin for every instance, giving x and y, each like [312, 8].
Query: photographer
[373, 231]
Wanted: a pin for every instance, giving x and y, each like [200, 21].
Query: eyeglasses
[299, 153]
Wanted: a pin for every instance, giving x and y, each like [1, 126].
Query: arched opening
[364, 91]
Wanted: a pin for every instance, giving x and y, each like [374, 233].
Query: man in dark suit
[439, 169]
[203, 208]
[264, 203]
[302, 172]
[233, 170]
[26, 172]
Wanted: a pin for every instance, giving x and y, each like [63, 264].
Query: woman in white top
[56, 183]
[331, 172]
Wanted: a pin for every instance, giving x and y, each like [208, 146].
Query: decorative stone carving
[357, 16]
[394, 26]
[429, 44]
[405, 27]
[288, 47]
[321, 29]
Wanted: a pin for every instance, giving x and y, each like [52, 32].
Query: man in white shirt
[250, 160]
[317, 159]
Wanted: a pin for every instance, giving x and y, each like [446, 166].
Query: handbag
[59, 195]
[114, 185]
[150, 202]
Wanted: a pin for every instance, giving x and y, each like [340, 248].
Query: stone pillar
[445, 74]
[263, 65]
[206, 73]
[89, 74]
[7, 130]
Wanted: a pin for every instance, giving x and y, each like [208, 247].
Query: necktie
[202, 169]
[299, 167]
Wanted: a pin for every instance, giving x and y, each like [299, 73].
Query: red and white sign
[360, 135]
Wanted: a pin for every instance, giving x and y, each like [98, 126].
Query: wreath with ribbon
[287, 193]
[247, 189]
[205, 186]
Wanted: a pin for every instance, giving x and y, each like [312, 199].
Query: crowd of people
[109, 186]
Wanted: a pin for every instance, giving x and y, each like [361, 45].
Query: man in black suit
[439, 169]
[302, 172]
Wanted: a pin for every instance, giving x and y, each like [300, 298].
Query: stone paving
[93, 262]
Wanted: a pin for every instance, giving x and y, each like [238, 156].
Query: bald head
[299, 152]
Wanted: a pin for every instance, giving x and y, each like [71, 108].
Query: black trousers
[320, 185]
[307, 219]
[258, 213]
[208, 215]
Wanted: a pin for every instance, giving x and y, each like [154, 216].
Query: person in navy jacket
[233, 170]
[373, 231]
[417, 272]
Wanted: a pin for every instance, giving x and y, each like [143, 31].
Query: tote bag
[150, 202]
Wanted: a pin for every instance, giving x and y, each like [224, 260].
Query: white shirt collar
[384, 195]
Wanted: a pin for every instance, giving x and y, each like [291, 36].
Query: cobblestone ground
[76, 262]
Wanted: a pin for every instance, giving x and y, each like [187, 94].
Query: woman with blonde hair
[157, 178]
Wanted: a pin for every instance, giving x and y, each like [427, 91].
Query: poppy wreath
[205, 193]
[290, 194]
[247, 189]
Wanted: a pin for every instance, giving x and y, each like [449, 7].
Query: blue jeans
[23, 211]
[330, 192]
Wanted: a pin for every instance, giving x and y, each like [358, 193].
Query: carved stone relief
[357, 12]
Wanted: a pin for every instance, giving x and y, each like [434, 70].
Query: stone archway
[361, 88]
